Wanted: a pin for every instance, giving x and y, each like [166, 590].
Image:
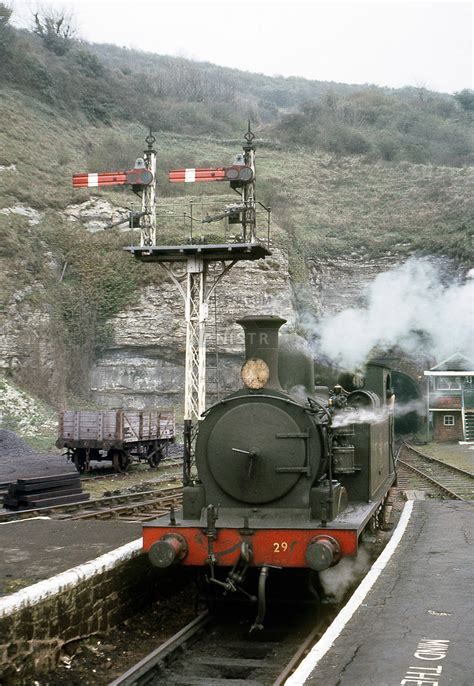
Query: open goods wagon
[121, 436]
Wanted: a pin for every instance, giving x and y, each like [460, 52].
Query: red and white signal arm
[132, 177]
[236, 173]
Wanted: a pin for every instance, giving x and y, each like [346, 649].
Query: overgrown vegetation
[411, 124]
[105, 83]
[87, 279]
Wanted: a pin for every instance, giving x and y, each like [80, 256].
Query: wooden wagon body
[117, 435]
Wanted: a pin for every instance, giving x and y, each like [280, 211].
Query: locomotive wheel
[79, 459]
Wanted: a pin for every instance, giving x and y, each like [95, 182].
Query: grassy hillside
[105, 83]
[91, 116]
[411, 125]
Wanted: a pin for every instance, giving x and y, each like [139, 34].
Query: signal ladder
[214, 324]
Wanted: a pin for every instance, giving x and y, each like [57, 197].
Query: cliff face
[144, 365]
[338, 283]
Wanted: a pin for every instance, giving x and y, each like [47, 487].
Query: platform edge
[299, 676]
[68, 579]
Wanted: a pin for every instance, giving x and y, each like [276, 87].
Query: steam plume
[337, 580]
[409, 307]
[363, 416]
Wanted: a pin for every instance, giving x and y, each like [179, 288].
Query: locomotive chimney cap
[265, 319]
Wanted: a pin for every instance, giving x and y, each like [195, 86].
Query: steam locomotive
[288, 474]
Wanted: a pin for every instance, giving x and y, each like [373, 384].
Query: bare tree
[55, 27]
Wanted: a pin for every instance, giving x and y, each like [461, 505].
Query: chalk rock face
[339, 283]
[25, 328]
[32, 215]
[96, 214]
[144, 365]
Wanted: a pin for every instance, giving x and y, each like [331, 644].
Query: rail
[108, 507]
[213, 650]
[152, 664]
[456, 483]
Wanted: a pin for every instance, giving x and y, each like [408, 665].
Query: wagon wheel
[155, 456]
[79, 459]
[119, 461]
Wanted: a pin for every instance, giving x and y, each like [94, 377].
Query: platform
[36, 549]
[180, 253]
[414, 626]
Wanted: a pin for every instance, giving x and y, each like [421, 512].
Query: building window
[449, 383]
[449, 420]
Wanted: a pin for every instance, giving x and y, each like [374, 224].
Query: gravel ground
[461, 456]
[19, 460]
[136, 478]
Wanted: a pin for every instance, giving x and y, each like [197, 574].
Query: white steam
[337, 580]
[369, 416]
[409, 307]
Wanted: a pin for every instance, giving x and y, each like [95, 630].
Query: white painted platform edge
[68, 579]
[299, 676]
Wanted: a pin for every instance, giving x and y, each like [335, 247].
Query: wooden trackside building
[450, 399]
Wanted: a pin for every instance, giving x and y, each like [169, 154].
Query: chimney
[261, 342]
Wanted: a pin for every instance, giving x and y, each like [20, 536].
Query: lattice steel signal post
[194, 285]
[189, 264]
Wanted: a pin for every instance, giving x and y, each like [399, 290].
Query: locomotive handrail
[313, 401]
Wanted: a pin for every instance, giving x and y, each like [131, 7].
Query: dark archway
[407, 391]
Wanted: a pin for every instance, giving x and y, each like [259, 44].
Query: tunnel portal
[407, 390]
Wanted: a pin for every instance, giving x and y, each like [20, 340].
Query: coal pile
[12, 445]
[44, 491]
[19, 461]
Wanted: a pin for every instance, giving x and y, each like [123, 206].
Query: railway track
[212, 651]
[109, 473]
[137, 507]
[415, 470]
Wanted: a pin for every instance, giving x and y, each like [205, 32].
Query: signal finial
[249, 136]
[150, 140]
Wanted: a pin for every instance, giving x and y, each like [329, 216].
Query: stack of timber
[44, 491]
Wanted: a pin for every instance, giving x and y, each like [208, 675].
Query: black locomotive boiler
[288, 475]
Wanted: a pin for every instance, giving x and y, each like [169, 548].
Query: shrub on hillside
[89, 63]
[420, 128]
[466, 99]
[345, 140]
